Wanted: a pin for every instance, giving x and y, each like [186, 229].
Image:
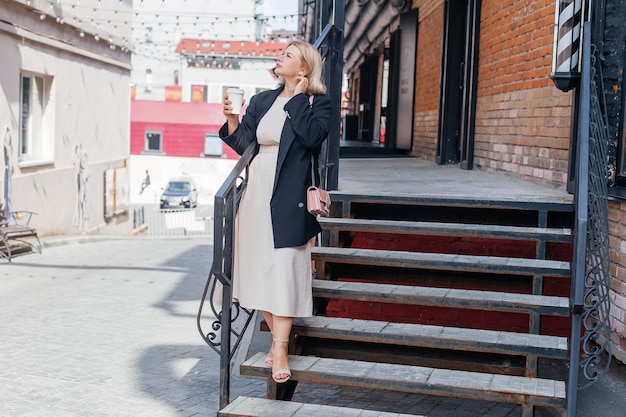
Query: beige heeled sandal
[280, 371]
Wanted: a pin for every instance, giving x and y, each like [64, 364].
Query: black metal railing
[330, 45]
[138, 217]
[228, 319]
[590, 302]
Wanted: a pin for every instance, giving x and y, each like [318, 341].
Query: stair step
[440, 261]
[420, 335]
[442, 297]
[417, 379]
[446, 229]
[261, 407]
[557, 205]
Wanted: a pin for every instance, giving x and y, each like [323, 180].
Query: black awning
[367, 24]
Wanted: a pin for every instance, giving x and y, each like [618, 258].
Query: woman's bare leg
[282, 330]
[269, 320]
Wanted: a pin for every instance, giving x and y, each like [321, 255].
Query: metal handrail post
[336, 81]
[225, 351]
[577, 301]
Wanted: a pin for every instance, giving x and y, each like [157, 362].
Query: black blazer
[306, 127]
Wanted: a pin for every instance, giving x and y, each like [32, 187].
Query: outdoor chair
[17, 237]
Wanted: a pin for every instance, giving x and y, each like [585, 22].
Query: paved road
[107, 328]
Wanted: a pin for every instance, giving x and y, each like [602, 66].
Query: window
[153, 142]
[212, 145]
[198, 93]
[148, 80]
[36, 127]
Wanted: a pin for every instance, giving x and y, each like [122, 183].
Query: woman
[273, 230]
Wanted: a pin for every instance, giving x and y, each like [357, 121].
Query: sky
[281, 8]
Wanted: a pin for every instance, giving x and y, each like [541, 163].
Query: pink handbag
[317, 201]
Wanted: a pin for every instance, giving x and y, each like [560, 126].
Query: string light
[110, 22]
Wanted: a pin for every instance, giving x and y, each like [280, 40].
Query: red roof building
[230, 48]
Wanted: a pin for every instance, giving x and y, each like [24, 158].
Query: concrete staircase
[448, 297]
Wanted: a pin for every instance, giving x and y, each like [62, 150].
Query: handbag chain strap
[311, 97]
[313, 171]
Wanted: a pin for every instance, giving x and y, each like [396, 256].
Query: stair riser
[459, 245]
[458, 211]
[433, 343]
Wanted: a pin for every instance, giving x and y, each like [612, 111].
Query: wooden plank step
[558, 204]
[442, 297]
[261, 407]
[429, 336]
[441, 261]
[417, 379]
[446, 229]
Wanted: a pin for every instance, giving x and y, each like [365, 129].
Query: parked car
[180, 192]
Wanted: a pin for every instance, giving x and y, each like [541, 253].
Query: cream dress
[265, 278]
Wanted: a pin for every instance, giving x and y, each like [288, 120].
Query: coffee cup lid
[235, 90]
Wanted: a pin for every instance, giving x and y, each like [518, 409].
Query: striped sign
[568, 35]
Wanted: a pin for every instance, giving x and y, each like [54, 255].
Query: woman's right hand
[228, 108]
[232, 119]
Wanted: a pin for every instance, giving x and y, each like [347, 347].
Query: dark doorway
[457, 107]
[367, 98]
[393, 88]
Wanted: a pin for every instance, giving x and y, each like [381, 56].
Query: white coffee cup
[235, 95]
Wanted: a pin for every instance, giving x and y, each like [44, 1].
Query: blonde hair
[312, 62]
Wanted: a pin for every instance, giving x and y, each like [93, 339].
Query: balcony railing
[589, 299]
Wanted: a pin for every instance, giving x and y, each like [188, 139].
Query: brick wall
[425, 124]
[617, 232]
[524, 132]
[522, 120]
[428, 78]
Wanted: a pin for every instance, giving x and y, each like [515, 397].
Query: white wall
[90, 107]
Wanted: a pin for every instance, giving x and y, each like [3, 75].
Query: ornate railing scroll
[227, 318]
[590, 301]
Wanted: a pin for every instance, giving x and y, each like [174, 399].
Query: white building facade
[64, 114]
[159, 26]
[213, 66]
